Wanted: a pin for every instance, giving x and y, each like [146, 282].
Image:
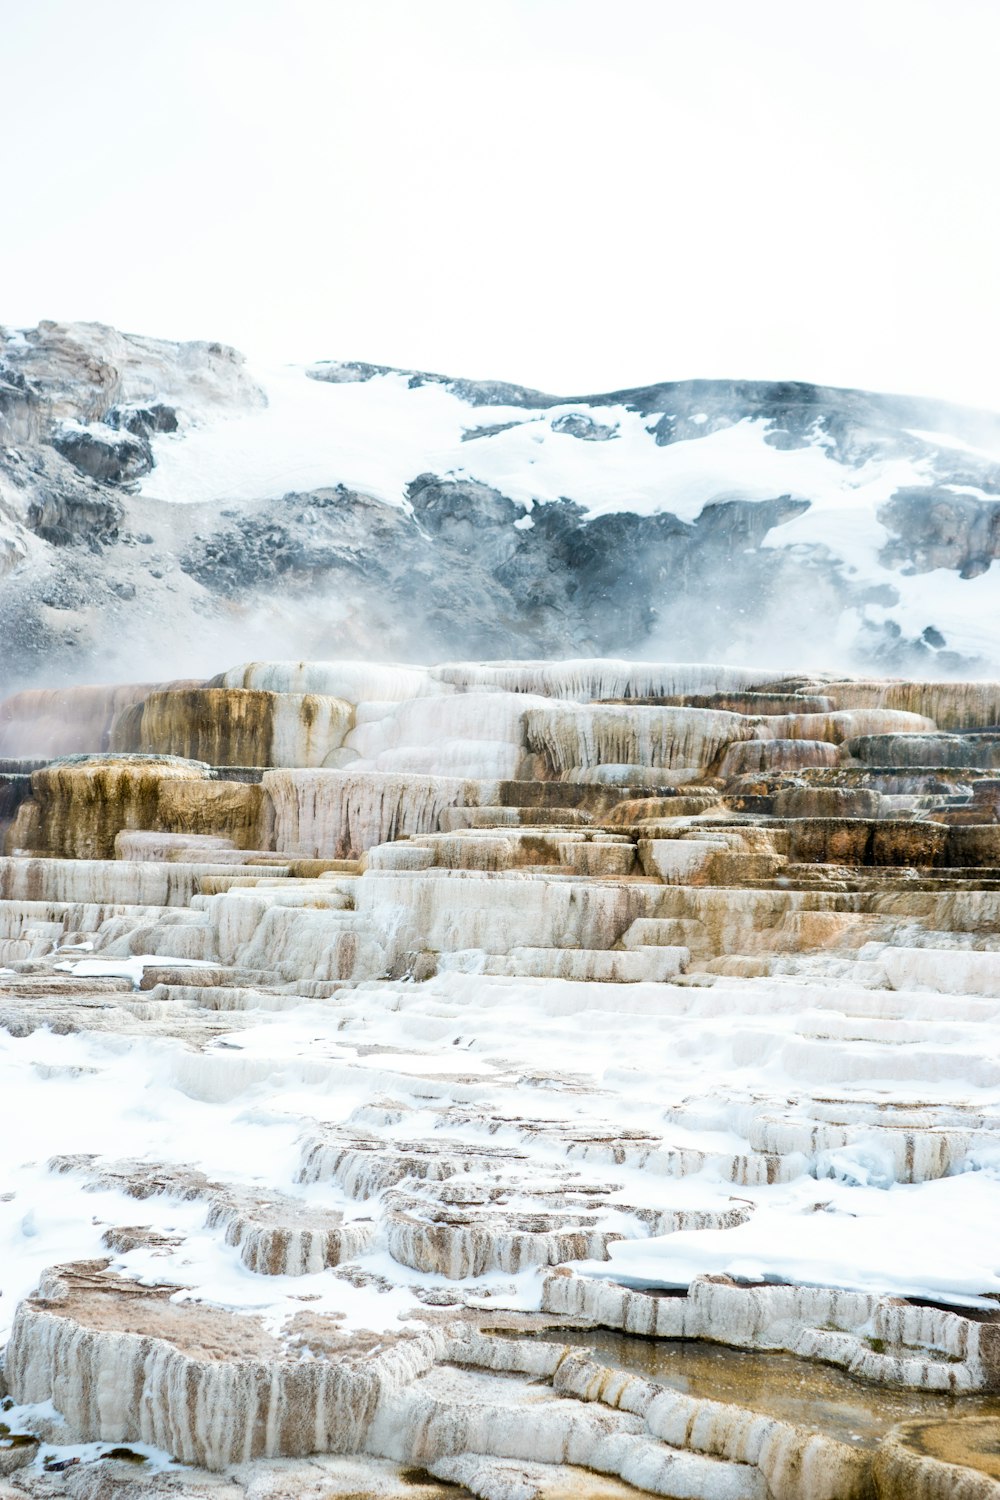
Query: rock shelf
[494, 1013]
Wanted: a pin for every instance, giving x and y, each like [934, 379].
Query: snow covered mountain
[165, 506]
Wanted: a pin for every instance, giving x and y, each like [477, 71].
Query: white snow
[946, 440]
[690, 1066]
[935, 1240]
[378, 435]
[127, 968]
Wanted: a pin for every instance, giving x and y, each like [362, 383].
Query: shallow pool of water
[973, 1441]
[780, 1385]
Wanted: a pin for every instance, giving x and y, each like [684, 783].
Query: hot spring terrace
[521, 1080]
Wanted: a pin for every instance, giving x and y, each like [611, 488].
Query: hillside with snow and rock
[165, 506]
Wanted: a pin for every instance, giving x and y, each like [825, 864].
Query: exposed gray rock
[45, 494]
[102, 453]
[143, 421]
[940, 527]
[80, 371]
[78, 405]
[577, 424]
[491, 429]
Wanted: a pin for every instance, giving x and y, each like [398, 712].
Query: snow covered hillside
[161, 502]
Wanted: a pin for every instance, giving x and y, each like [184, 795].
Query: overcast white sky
[574, 194]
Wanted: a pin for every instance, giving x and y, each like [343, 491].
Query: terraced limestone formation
[521, 1080]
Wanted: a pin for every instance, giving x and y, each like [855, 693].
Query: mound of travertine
[384, 1024]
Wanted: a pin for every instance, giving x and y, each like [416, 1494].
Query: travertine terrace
[374, 1037]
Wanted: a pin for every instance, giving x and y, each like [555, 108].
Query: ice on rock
[637, 965]
[276, 1235]
[838, 728]
[85, 881]
[479, 735]
[308, 944]
[449, 910]
[189, 848]
[847, 1250]
[942, 970]
[410, 1016]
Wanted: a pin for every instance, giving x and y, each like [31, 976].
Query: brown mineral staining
[952, 705]
[79, 806]
[88, 1296]
[971, 1441]
[776, 755]
[235, 726]
[957, 1458]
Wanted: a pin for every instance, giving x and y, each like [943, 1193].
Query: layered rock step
[387, 1036]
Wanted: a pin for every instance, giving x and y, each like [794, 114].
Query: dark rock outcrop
[940, 527]
[103, 454]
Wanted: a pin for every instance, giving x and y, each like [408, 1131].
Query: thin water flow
[796, 1391]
